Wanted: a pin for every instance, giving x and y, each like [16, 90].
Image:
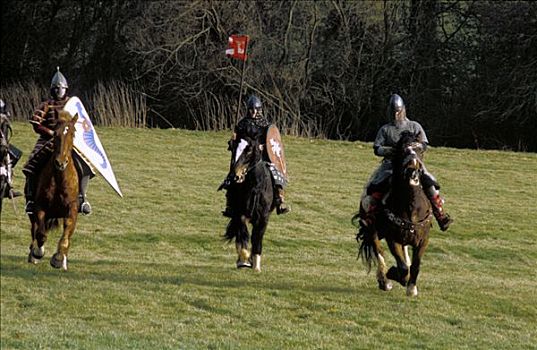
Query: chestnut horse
[252, 201]
[405, 221]
[56, 195]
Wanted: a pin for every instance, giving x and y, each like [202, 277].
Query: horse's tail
[236, 229]
[366, 239]
[51, 224]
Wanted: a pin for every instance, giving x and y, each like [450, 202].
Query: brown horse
[56, 195]
[405, 221]
[252, 201]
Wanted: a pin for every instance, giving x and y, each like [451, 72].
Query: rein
[255, 165]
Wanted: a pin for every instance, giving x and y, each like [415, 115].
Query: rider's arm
[38, 118]
[422, 138]
[383, 151]
[379, 147]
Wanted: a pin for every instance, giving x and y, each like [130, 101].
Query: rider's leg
[443, 219]
[228, 211]
[85, 206]
[281, 207]
[29, 192]
[374, 202]
[84, 175]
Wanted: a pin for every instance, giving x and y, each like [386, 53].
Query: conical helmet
[396, 104]
[58, 80]
[254, 102]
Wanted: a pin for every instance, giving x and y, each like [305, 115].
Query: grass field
[151, 270]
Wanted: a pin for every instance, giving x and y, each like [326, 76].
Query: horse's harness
[407, 225]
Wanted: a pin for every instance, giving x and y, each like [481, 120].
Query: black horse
[252, 201]
[405, 221]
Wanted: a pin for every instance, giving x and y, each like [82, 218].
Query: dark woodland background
[466, 69]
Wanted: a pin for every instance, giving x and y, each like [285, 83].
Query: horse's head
[408, 158]
[247, 154]
[64, 133]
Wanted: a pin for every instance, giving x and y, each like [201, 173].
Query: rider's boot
[370, 213]
[227, 182]
[84, 206]
[281, 207]
[443, 219]
[228, 212]
[368, 216]
[29, 189]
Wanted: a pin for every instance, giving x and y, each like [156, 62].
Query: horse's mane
[63, 117]
[407, 137]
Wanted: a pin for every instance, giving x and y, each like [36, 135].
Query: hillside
[151, 269]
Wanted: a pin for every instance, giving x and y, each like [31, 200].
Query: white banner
[88, 143]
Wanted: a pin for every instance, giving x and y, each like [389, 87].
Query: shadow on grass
[159, 274]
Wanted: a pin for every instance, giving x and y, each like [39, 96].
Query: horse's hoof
[243, 264]
[36, 255]
[385, 285]
[412, 290]
[59, 262]
[33, 260]
[256, 262]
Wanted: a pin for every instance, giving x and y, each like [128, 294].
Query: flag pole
[242, 81]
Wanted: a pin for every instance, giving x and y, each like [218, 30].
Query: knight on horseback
[43, 121]
[255, 126]
[380, 182]
[10, 154]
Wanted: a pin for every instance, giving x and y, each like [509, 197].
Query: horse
[252, 201]
[405, 221]
[56, 195]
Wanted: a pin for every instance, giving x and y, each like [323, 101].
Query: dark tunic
[253, 128]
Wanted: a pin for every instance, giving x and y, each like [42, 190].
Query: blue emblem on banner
[89, 136]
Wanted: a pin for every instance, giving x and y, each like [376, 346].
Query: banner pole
[242, 81]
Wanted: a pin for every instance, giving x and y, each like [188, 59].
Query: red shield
[275, 149]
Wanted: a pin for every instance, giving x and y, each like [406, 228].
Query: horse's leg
[382, 280]
[401, 273]
[59, 259]
[407, 257]
[258, 232]
[39, 237]
[241, 243]
[417, 253]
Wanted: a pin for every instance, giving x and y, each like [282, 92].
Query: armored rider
[44, 120]
[379, 185]
[10, 153]
[255, 125]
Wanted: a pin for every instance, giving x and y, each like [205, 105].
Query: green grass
[151, 270]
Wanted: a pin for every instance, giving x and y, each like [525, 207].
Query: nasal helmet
[58, 85]
[396, 104]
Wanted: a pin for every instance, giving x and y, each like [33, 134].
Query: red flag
[237, 45]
